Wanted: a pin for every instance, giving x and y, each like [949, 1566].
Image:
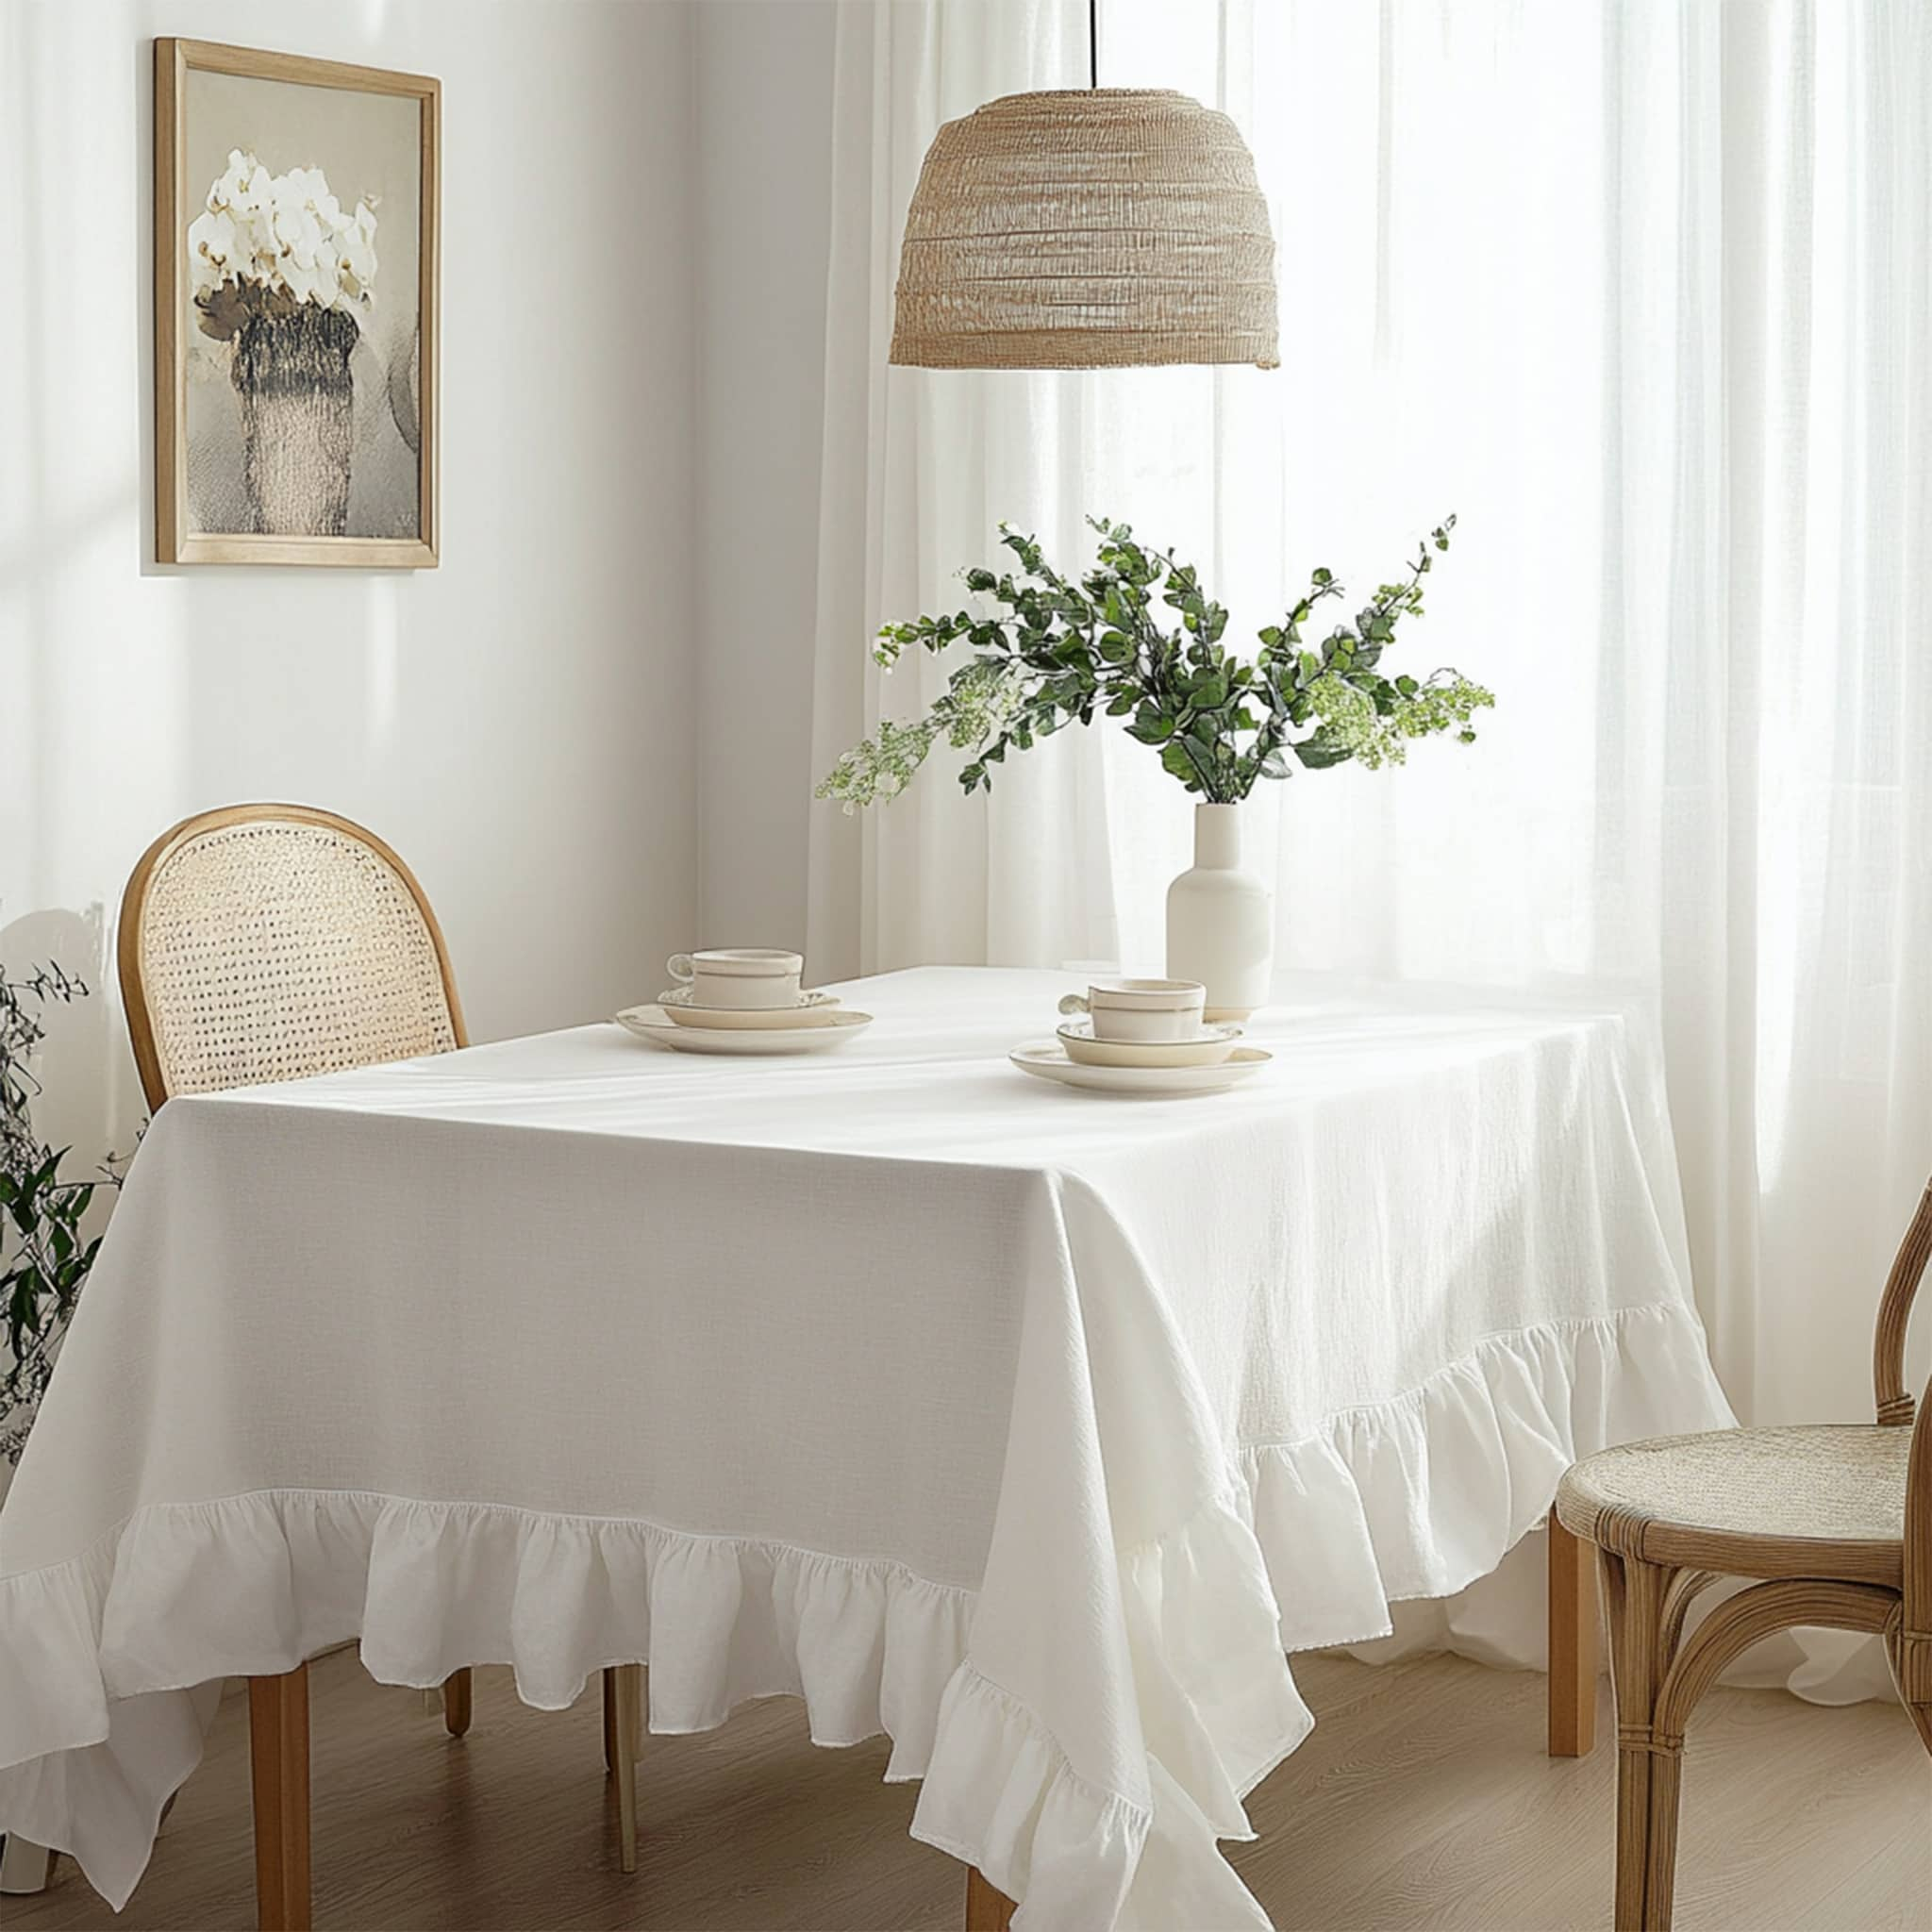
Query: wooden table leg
[611, 1676]
[987, 1909]
[1573, 1644]
[627, 1715]
[279, 1756]
[456, 1692]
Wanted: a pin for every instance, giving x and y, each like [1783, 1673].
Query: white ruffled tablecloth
[1024, 1426]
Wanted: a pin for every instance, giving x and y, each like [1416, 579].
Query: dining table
[1035, 1429]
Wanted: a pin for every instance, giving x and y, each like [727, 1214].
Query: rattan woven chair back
[265, 943]
[1834, 1524]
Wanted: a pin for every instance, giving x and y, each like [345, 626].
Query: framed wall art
[295, 310]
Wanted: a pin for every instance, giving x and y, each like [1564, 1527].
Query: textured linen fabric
[1027, 1425]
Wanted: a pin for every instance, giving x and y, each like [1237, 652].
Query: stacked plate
[814, 1023]
[1206, 1062]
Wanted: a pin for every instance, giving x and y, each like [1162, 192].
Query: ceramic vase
[1220, 920]
[291, 376]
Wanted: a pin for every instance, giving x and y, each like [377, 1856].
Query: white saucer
[817, 1035]
[811, 1011]
[1044, 1059]
[1208, 1048]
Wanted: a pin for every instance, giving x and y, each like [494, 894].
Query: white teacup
[1140, 1008]
[743, 978]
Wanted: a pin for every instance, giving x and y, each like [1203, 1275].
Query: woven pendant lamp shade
[1093, 228]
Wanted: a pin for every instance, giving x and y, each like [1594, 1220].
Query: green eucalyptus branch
[1138, 639]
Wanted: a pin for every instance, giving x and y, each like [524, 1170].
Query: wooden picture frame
[276, 478]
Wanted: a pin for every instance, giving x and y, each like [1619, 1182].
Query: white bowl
[811, 1009]
[1213, 1045]
[653, 1024]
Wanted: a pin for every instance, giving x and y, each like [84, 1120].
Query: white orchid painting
[265, 244]
[298, 288]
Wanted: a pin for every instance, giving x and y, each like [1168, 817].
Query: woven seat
[1827, 1501]
[268, 942]
[1835, 1522]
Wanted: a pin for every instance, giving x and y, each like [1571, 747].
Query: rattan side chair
[263, 943]
[1833, 1521]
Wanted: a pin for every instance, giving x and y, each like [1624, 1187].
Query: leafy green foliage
[44, 1256]
[1138, 639]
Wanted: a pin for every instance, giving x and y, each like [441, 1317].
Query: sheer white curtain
[1644, 292]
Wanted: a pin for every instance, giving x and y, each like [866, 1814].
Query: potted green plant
[44, 1252]
[1136, 639]
[44, 1257]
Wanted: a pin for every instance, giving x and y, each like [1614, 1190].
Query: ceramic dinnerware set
[1143, 1036]
[743, 1000]
[1121, 1036]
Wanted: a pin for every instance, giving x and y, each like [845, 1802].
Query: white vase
[1220, 920]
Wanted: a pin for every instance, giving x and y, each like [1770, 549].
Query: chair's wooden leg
[987, 1909]
[627, 1699]
[1921, 1716]
[1660, 1850]
[1573, 1644]
[279, 1756]
[1648, 1762]
[1634, 1601]
[610, 1722]
[456, 1692]
[1911, 1671]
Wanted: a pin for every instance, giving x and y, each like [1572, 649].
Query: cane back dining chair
[264, 943]
[1832, 1525]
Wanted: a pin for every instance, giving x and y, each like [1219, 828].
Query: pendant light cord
[1093, 43]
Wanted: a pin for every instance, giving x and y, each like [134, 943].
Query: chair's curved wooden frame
[147, 1058]
[1653, 1571]
[278, 1705]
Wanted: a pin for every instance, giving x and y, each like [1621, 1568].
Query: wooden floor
[1424, 1799]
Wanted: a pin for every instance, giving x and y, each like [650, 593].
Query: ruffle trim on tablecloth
[1416, 1497]
[250, 1584]
[1421, 1496]
[1217, 1710]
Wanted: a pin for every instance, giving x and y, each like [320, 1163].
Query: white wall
[763, 206]
[518, 723]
